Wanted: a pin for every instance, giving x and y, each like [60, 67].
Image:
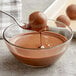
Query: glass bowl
[39, 57]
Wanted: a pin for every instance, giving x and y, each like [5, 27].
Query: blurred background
[29, 6]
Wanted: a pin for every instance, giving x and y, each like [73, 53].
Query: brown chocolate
[71, 11]
[36, 56]
[64, 19]
[37, 21]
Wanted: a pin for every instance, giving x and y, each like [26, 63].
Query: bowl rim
[39, 48]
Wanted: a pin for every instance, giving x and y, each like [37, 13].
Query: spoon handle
[10, 16]
[13, 18]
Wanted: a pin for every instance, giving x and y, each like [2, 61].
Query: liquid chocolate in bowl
[38, 57]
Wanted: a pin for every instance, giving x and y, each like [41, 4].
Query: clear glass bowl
[38, 56]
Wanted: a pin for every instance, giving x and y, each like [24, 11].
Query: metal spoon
[19, 24]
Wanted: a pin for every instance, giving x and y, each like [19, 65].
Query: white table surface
[10, 66]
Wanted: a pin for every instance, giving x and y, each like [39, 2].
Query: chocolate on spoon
[37, 22]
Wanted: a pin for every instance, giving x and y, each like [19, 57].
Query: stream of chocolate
[41, 46]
